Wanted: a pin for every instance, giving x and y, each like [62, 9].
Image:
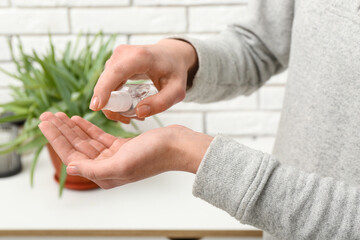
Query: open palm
[76, 138]
[109, 161]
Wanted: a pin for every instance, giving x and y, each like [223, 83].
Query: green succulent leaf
[62, 179]
[13, 118]
[34, 143]
[33, 164]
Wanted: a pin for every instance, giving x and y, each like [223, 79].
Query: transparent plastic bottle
[125, 100]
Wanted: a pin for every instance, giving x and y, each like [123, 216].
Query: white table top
[164, 202]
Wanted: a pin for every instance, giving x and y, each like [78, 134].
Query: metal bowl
[10, 163]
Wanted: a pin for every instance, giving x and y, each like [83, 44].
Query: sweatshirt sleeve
[256, 189]
[244, 56]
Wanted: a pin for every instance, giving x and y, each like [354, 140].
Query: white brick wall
[33, 21]
[4, 49]
[5, 95]
[71, 3]
[129, 20]
[236, 104]
[4, 3]
[243, 123]
[214, 18]
[5, 80]
[190, 120]
[261, 143]
[251, 120]
[41, 43]
[187, 2]
[271, 97]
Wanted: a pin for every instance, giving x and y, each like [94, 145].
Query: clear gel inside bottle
[125, 100]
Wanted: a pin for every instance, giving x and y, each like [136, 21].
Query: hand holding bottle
[167, 63]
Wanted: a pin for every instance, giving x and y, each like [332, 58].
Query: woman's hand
[166, 63]
[110, 162]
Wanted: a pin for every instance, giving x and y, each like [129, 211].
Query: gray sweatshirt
[309, 187]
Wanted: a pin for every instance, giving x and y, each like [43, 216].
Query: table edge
[135, 233]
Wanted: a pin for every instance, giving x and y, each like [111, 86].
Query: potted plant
[57, 83]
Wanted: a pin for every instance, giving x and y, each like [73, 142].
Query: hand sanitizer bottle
[125, 100]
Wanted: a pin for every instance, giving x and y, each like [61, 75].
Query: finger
[93, 170]
[140, 76]
[108, 184]
[63, 117]
[78, 131]
[114, 148]
[79, 144]
[61, 145]
[169, 95]
[118, 117]
[45, 116]
[126, 61]
[94, 132]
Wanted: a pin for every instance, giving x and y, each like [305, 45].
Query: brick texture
[4, 49]
[41, 44]
[271, 97]
[129, 20]
[69, 3]
[264, 144]
[213, 19]
[239, 103]
[190, 120]
[279, 79]
[6, 80]
[5, 95]
[4, 3]
[186, 2]
[243, 123]
[33, 21]
[145, 39]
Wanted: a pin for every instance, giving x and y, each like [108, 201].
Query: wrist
[188, 148]
[201, 146]
[187, 56]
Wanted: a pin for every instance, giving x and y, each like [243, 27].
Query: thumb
[91, 169]
[164, 99]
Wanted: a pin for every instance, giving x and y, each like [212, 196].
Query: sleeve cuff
[230, 174]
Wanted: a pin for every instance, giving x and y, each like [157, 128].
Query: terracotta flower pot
[72, 182]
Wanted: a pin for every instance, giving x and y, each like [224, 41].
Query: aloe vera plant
[56, 83]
